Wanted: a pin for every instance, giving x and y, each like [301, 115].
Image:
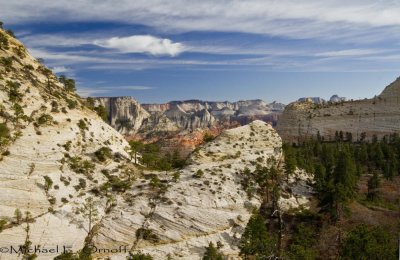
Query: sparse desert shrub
[13, 91]
[7, 63]
[67, 145]
[72, 104]
[20, 51]
[52, 200]
[81, 166]
[81, 185]
[54, 106]
[4, 131]
[82, 125]
[139, 256]
[103, 154]
[117, 184]
[3, 223]
[176, 176]
[11, 33]
[198, 174]
[29, 67]
[208, 137]
[102, 112]
[147, 234]
[48, 183]
[3, 41]
[155, 182]
[45, 119]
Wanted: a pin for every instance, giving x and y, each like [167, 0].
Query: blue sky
[159, 51]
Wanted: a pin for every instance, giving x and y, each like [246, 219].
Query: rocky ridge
[52, 134]
[131, 118]
[206, 204]
[378, 116]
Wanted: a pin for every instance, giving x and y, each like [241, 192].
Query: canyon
[130, 117]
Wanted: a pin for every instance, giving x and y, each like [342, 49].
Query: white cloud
[143, 44]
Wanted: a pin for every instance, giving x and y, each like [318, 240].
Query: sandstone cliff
[125, 113]
[378, 116]
[130, 118]
[48, 133]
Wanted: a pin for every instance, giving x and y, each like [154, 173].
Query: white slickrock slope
[38, 151]
[197, 210]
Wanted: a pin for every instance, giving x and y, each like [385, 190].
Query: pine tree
[136, 147]
[212, 253]
[18, 216]
[320, 176]
[373, 184]
[340, 186]
[369, 243]
[89, 211]
[344, 180]
[255, 241]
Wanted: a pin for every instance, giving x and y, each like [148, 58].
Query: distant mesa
[336, 98]
[315, 100]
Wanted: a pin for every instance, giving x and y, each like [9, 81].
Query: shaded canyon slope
[378, 116]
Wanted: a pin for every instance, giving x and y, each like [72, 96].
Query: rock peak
[392, 90]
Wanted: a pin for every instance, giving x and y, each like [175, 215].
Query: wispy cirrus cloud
[330, 19]
[96, 91]
[320, 33]
[60, 69]
[351, 52]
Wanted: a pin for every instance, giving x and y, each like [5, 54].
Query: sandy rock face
[207, 203]
[125, 113]
[184, 115]
[379, 116]
[47, 127]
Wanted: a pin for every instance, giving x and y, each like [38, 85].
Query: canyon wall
[131, 118]
[378, 116]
